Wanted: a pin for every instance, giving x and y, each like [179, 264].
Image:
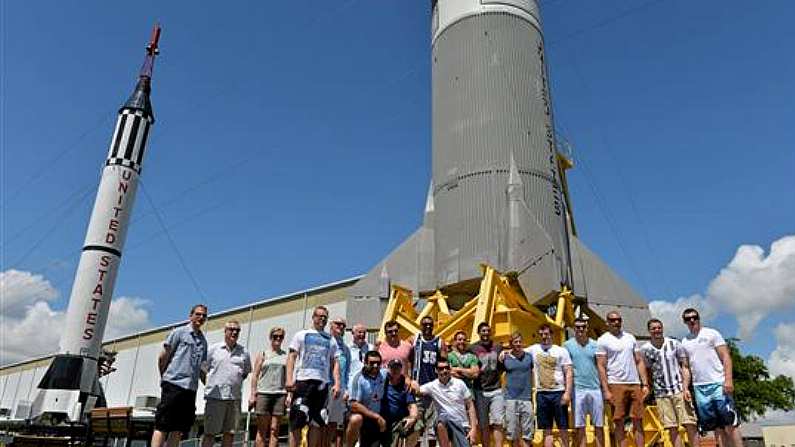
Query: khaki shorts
[272, 404]
[221, 416]
[628, 400]
[675, 411]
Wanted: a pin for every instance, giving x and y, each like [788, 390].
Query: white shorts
[336, 409]
[519, 420]
[588, 402]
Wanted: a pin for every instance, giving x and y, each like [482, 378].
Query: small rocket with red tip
[70, 385]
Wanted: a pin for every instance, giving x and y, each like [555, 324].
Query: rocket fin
[605, 290]
[409, 265]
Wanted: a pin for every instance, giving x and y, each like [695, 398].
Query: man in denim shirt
[184, 351]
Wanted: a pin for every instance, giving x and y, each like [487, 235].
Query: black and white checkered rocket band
[129, 139]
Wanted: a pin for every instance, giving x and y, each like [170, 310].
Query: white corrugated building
[136, 363]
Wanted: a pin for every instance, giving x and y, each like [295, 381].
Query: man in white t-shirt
[454, 408]
[711, 368]
[623, 377]
[313, 353]
[553, 382]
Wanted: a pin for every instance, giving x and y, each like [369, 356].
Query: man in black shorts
[313, 353]
[184, 351]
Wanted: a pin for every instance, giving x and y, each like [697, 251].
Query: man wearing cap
[399, 409]
[336, 408]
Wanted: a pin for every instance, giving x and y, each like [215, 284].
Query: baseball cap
[395, 363]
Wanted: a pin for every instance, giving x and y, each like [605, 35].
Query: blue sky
[292, 142]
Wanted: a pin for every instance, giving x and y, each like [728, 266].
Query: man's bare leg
[564, 437]
[315, 436]
[173, 439]
[498, 435]
[352, 432]
[637, 428]
[692, 435]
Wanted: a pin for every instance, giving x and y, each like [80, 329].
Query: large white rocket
[497, 187]
[70, 384]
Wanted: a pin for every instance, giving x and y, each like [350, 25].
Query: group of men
[393, 392]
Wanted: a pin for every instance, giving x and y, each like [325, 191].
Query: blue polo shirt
[189, 351]
[369, 391]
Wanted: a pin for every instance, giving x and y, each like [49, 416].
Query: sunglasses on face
[277, 337]
[427, 323]
[614, 319]
[374, 363]
[690, 318]
[233, 330]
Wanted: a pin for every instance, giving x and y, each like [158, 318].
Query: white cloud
[31, 328]
[750, 287]
[19, 289]
[670, 313]
[753, 286]
[782, 359]
[127, 315]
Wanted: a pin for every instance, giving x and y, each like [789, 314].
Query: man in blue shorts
[553, 382]
[711, 368]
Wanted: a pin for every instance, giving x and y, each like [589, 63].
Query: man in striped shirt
[667, 365]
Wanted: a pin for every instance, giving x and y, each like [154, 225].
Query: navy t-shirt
[518, 376]
[395, 405]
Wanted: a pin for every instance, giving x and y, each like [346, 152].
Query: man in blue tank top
[427, 349]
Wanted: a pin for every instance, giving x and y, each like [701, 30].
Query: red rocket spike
[152, 50]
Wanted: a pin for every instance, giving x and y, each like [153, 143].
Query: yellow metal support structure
[503, 305]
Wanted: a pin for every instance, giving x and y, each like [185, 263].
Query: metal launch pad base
[500, 302]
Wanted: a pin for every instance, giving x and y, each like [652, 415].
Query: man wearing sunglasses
[367, 394]
[711, 367]
[337, 408]
[228, 364]
[313, 353]
[394, 348]
[427, 349]
[623, 377]
[456, 424]
[184, 351]
[587, 399]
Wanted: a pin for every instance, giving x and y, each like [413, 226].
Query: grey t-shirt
[273, 372]
[188, 352]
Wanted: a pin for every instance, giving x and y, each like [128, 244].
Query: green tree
[755, 392]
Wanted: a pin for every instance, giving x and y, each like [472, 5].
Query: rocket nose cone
[139, 99]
